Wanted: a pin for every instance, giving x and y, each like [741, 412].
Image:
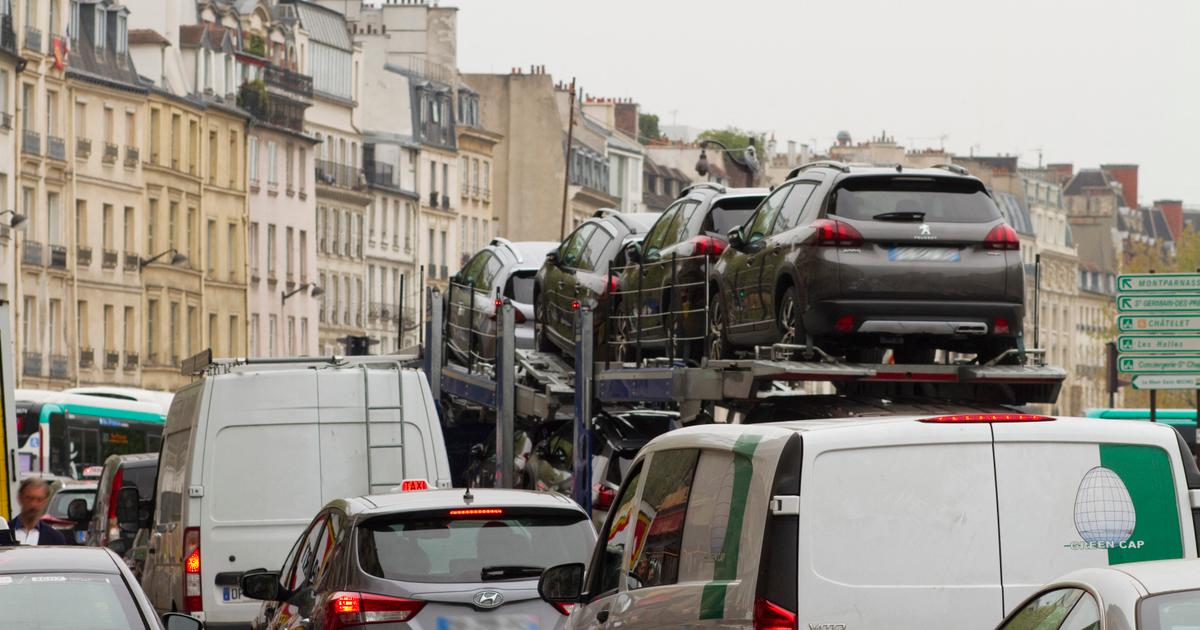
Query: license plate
[231, 594]
[487, 622]
[924, 254]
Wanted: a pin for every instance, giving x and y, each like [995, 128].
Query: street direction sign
[1158, 282]
[1183, 303]
[1158, 323]
[1159, 364]
[1158, 343]
[1166, 381]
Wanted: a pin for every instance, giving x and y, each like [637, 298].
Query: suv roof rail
[953, 168]
[603, 212]
[834, 164]
[500, 240]
[720, 188]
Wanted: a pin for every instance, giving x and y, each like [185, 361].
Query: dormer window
[99, 37]
[73, 27]
[122, 33]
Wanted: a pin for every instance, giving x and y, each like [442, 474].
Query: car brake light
[844, 324]
[707, 246]
[769, 616]
[974, 418]
[477, 512]
[575, 305]
[604, 497]
[1002, 237]
[831, 233]
[565, 609]
[613, 283]
[1000, 327]
[192, 599]
[409, 485]
[355, 609]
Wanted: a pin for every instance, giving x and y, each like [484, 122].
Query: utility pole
[562, 228]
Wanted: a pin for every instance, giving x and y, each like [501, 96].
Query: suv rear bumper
[939, 318]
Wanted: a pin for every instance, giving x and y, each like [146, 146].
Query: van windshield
[918, 199]
[1171, 611]
[439, 548]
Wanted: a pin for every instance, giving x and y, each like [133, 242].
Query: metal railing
[83, 148]
[87, 357]
[633, 329]
[33, 39]
[433, 199]
[132, 155]
[131, 359]
[111, 359]
[83, 256]
[31, 363]
[111, 152]
[58, 366]
[469, 340]
[31, 142]
[58, 257]
[339, 175]
[288, 81]
[8, 36]
[109, 259]
[133, 262]
[33, 253]
[56, 148]
[6, 121]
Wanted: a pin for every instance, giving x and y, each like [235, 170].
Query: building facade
[11, 64]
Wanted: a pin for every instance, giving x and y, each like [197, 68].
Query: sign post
[1159, 324]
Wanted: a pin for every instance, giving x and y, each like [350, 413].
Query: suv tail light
[707, 246]
[975, 418]
[1002, 237]
[1000, 326]
[769, 616]
[193, 601]
[356, 609]
[604, 497]
[831, 233]
[112, 530]
[565, 609]
[613, 284]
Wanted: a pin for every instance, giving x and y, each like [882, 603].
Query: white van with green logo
[901, 522]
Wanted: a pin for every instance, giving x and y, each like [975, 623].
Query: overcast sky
[1086, 81]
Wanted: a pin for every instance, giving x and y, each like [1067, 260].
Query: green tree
[735, 138]
[648, 128]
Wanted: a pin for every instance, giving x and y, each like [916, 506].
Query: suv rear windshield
[441, 549]
[1170, 611]
[730, 212]
[520, 286]
[52, 601]
[938, 199]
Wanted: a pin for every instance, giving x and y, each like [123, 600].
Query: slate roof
[1162, 229]
[103, 66]
[325, 26]
[1087, 178]
[139, 36]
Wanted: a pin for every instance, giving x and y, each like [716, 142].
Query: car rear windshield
[143, 477]
[60, 503]
[730, 212]
[440, 548]
[921, 199]
[65, 601]
[520, 286]
[1170, 611]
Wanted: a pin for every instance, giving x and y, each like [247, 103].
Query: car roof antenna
[467, 496]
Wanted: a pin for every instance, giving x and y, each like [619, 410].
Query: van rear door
[1078, 493]
[898, 520]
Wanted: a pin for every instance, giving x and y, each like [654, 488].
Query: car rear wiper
[509, 572]
[900, 216]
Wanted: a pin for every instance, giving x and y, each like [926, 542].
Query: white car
[1162, 595]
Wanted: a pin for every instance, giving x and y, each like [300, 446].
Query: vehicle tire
[787, 319]
[541, 341]
[717, 345]
[621, 343]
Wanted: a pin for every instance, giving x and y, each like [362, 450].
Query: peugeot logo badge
[488, 599]
[924, 227]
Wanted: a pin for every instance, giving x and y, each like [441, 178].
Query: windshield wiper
[900, 216]
[509, 572]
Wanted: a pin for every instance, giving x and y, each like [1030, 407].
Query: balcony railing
[31, 364]
[446, 201]
[131, 156]
[87, 357]
[111, 151]
[110, 258]
[433, 199]
[445, 274]
[274, 110]
[6, 121]
[339, 175]
[8, 36]
[33, 39]
[56, 148]
[83, 148]
[132, 262]
[83, 256]
[111, 360]
[131, 360]
[33, 254]
[58, 257]
[58, 366]
[31, 142]
[288, 81]
[381, 174]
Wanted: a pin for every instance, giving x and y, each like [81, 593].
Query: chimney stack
[1127, 174]
[1172, 209]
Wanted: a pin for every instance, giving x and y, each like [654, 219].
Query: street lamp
[750, 161]
[17, 218]
[176, 258]
[316, 291]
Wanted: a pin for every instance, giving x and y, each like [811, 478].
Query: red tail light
[708, 246]
[1000, 326]
[1002, 237]
[355, 609]
[613, 283]
[769, 616]
[477, 512]
[575, 305]
[604, 497]
[193, 601]
[975, 418]
[565, 609]
[831, 233]
[844, 324]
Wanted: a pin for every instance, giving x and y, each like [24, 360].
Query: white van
[252, 452]
[900, 522]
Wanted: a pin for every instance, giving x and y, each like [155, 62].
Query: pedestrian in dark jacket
[28, 528]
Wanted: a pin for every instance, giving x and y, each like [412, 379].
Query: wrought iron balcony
[31, 142]
[339, 175]
[87, 357]
[288, 81]
[132, 262]
[83, 256]
[272, 109]
[31, 363]
[83, 148]
[131, 360]
[33, 39]
[58, 257]
[33, 253]
[111, 151]
[433, 199]
[131, 156]
[56, 148]
[445, 273]
[381, 174]
[8, 36]
[111, 360]
[446, 201]
[58, 366]
[109, 260]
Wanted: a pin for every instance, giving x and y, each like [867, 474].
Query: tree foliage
[648, 128]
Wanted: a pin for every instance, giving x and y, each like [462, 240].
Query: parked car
[58, 511]
[76, 587]
[893, 522]
[577, 274]
[662, 289]
[139, 471]
[616, 438]
[424, 560]
[1141, 595]
[864, 258]
[254, 448]
[503, 269]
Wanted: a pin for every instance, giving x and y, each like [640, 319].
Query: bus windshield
[79, 441]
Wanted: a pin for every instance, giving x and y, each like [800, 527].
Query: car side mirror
[78, 511]
[735, 238]
[129, 512]
[562, 584]
[552, 257]
[633, 253]
[180, 621]
[261, 584]
[119, 546]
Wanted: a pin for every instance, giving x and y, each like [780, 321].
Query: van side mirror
[129, 509]
[77, 510]
[735, 238]
[552, 257]
[562, 584]
[180, 621]
[261, 584]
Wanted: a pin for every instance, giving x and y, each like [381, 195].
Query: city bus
[70, 435]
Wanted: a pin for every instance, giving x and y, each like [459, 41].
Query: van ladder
[368, 423]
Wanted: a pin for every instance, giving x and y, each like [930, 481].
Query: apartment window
[433, 177]
[474, 176]
[4, 91]
[122, 33]
[462, 232]
[231, 247]
[288, 176]
[304, 336]
[27, 106]
[101, 27]
[128, 225]
[80, 118]
[252, 166]
[303, 169]
[232, 166]
[371, 222]
[53, 219]
[173, 334]
[233, 335]
[212, 247]
[487, 177]
[291, 336]
[110, 341]
[303, 254]
[131, 129]
[371, 282]
[107, 211]
[81, 233]
[176, 140]
[155, 137]
[193, 146]
[360, 302]
[81, 324]
[54, 322]
[445, 179]
[271, 251]
[173, 225]
[189, 240]
[253, 236]
[212, 156]
[151, 329]
[443, 258]
[272, 159]
[29, 336]
[212, 331]
[383, 216]
[463, 168]
[432, 267]
[108, 125]
[396, 224]
[73, 24]
[290, 248]
[52, 113]
[151, 228]
[193, 331]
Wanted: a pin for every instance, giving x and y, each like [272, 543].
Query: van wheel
[717, 342]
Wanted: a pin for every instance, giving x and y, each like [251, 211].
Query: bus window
[79, 441]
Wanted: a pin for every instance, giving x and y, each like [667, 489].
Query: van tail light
[193, 601]
[604, 497]
[355, 609]
[831, 233]
[975, 418]
[708, 246]
[1000, 326]
[769, 616]
[565, 609]
[844, 324]
[112, 531]
[1002, 237]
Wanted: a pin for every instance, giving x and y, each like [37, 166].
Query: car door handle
[602, 616]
